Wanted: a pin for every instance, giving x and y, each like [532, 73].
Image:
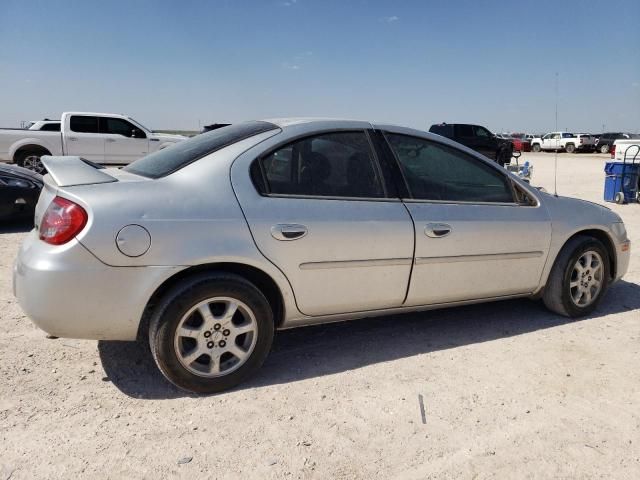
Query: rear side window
[465, 131]
[84, 124]
[339, 164]
[443, 130]
[166, 161]
[438, 172]
[50, 127]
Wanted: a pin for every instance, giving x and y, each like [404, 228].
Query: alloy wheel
[216, 337]
[586, 278]
[32, 162]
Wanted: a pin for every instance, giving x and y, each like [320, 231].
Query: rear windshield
[166, 161]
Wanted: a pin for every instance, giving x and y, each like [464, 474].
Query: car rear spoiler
[70, 171]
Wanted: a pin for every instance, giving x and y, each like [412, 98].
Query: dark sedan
[19, 192]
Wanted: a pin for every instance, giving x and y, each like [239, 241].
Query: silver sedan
[209, 246]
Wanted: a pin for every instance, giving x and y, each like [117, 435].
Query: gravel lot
[509, 391]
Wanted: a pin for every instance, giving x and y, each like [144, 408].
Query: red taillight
[613, 151]
[62, 221]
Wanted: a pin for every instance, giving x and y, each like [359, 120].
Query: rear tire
[211, 332]
[31, 159]
[579, 277]
[570, 148]
[604, 149]
[535, 147]
[619, 198]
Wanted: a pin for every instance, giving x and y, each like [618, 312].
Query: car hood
[579, 211]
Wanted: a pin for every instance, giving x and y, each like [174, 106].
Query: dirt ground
[508, 391]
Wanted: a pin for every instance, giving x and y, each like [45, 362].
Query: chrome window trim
[320, 197]
[477, 258]
[382, 262]
[452, 202]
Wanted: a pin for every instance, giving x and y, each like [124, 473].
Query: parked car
[559, 141]
[626, 149]
[585, 142]
[19, 192]
[477, 138]
[259, 226]
[520, 142]
[606, 140]
[98, 137]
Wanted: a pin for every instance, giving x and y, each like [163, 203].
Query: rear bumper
[68, 292]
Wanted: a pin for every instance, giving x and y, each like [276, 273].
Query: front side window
[442, 173]
[482, 132]
[84, 124]
[119, 126]
[339, 164]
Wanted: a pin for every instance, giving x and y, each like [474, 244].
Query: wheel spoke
[588, 259]
[190, 332]
[214, 364]
[229, 312]
[205, 312]
[236, 351]
[588, 294]
[574, 283]
[239, 330]
[193, 355]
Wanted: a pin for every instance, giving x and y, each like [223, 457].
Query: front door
[83, 138]
[473, 240]
[124, 142]
[323, 215]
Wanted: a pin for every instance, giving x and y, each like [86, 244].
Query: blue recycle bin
[621, 182]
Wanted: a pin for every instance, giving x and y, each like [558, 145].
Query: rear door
[83, 138]
[473, 240]
[124, 142]
[319, 208]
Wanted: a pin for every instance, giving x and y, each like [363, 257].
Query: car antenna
[555, 160]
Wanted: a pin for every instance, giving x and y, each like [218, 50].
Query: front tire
[579, 278]
[535, 147]
[604, 149]
[211, 332]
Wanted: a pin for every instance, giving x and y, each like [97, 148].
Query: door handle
[288, 231]
[437, 230]
[110, 140]
[73, 139]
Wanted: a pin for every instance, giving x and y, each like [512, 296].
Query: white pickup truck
[569, 142]
[98, 137]
[626, 147]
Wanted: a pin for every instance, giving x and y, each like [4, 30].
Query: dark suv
[477, 138]
[606, 140]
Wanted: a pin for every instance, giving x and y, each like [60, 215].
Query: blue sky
[174, 64]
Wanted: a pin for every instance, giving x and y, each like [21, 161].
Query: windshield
[166, 161]
[139, 124]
